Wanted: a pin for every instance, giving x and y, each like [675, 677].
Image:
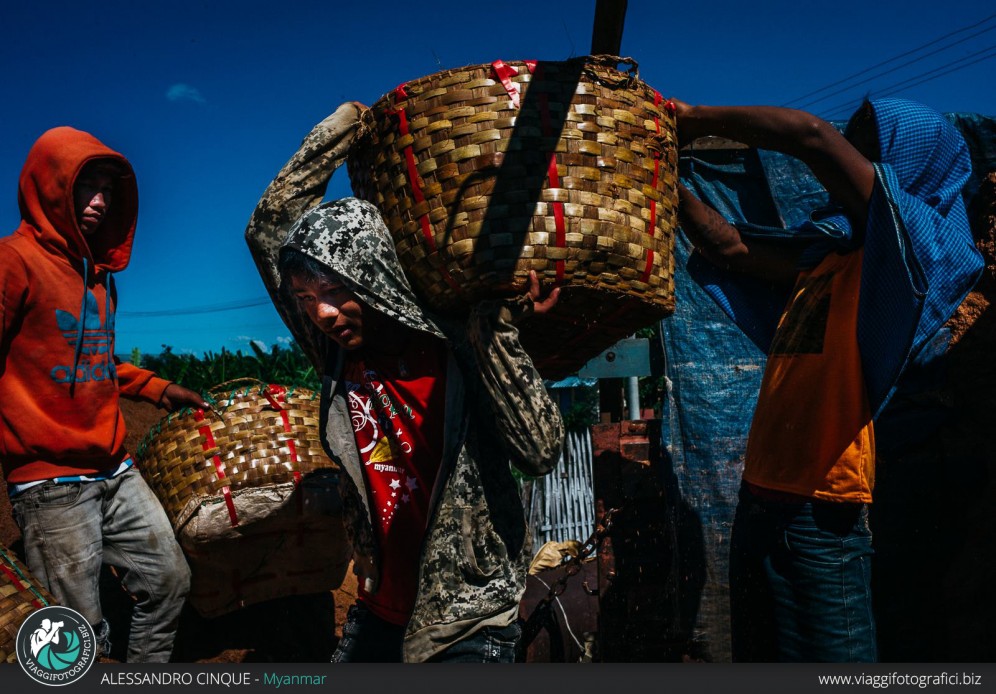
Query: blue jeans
[800, 582]
[368, 639]
[70, 529]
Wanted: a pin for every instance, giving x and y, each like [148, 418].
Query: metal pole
[633, 397]
[606, 35]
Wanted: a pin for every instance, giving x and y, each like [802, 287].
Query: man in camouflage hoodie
[422, 414]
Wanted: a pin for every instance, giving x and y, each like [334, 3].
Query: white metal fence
[563, 503]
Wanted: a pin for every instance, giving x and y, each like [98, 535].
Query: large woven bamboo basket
[20, 595]
[486, 172]
[251, 495]
[255, 435]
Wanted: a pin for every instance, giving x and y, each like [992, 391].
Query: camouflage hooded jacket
[476, 547]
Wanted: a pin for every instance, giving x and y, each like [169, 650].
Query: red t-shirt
[397, 404]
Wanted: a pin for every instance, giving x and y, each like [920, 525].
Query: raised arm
[722, 245]
[299, 186]
[844, 171]
[527, 421]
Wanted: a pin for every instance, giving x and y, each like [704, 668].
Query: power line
[948, 68]
[902, 86]
[212, 308]
[894, 69]
[897, 57]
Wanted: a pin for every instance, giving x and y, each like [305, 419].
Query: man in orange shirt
[895, 260]
[76, 496]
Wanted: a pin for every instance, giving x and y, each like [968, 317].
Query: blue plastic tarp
[714, 370]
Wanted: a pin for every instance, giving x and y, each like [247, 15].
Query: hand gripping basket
[486, 172]
[251, 495]
[20, 595]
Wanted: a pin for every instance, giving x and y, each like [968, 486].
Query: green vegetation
[284, 365]
[582, 412]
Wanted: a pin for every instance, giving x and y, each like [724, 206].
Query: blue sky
[209, 98]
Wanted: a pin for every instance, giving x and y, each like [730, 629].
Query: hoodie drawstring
[80, 325]
[109, 326]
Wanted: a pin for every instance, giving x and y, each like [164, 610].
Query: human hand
[346, 114]
[683, 121]
[176, 396]
[366, 573]
[534, 293]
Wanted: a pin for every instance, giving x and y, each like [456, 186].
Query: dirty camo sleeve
[298, 187]
[527, 421]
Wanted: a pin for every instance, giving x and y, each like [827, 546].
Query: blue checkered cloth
[919, 260]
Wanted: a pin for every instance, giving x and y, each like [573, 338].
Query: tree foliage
[283, 365]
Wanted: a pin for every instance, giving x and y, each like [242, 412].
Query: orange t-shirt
[812, 432]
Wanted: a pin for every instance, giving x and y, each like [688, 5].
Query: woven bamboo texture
[255, 435]
[20, 595]
[486, 172]
[270, 560]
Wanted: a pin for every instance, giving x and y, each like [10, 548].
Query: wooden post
[606, 35]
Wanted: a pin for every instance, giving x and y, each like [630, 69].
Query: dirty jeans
[800, 582]
[368, 639]
[70, 529]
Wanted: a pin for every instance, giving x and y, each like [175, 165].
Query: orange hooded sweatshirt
[59, 380]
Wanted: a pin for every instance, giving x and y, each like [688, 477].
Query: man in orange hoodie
[76, 496]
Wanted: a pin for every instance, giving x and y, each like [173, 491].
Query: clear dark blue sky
[208, 99]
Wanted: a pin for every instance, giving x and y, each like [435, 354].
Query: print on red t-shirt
[397, 405]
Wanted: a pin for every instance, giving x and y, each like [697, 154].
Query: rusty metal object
[568, 617]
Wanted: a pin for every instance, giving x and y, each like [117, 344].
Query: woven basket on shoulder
[20, 595]
[251, 495]
[486, 172]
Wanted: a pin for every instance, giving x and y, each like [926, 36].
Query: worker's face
[92, 194]
[332, 307]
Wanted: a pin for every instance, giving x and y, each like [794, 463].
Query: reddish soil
[302, 628]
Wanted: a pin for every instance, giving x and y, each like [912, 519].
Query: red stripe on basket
[413, 181]
[13, 578]
[657, 169]
[504, 72]
[278, 404]
[558, 214]
[649, 268]
[20, 581]
[560, 239]
[412, 171]
[219, 467]
[281, 395]
[652, 225]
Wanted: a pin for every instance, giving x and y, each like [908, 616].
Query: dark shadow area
[525, 166]
[935, 492]
[691, 564]
[292, 629]
[639, 614]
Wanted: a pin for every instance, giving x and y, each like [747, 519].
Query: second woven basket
[20, 595]
[251, 494]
